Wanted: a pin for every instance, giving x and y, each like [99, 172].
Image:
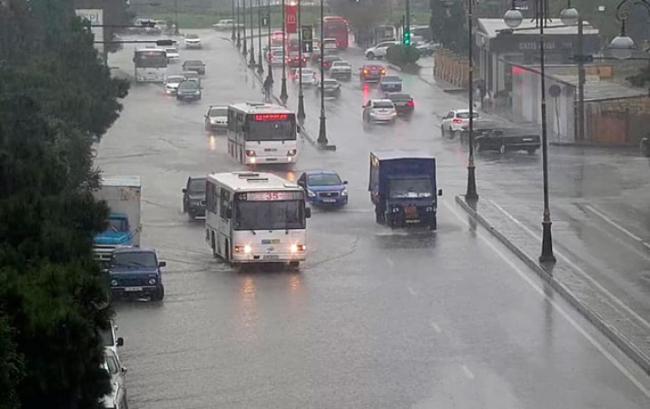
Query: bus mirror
[298, 129]
[439, 192]
[228, 213]
[307, 212]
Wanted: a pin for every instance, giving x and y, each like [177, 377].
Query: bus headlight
[292, 152]
[246, 249]
[298, 247]
[250, 153]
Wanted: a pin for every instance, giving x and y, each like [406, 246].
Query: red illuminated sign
[291, 20]
[270, 196]
[271, 117]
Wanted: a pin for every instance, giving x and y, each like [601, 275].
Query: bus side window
[211, 198]
[224, 204]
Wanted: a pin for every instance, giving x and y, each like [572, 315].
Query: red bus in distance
[336, 27]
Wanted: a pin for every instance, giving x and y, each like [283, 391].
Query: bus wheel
[226, 253]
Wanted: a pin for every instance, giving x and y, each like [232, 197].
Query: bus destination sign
[271, 117]
[270, 196]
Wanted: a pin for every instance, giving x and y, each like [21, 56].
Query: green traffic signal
[407, 38]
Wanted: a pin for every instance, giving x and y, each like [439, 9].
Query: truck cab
[118, 233]
[403, 188]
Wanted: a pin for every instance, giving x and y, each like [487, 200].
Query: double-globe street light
[243, 14]
[301, 97]
[233, 36]
[251, 62]
[238, 27]
[284, 96]
[622, 46]
[269, 71]
[513, 19]
[260, 64]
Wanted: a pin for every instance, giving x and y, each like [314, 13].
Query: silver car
[379, 110]
[172, 82]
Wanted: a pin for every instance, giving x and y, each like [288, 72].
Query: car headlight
[213, 121]
[310, 193]
[152, 281]
[113, 283]
[395, 209]
[372, 114]
[344, 192]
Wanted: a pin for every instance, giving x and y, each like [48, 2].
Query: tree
[55, 96]
[449, 25]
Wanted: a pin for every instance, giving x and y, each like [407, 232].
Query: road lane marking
[578, 269]
[411, 290]
[467, 372]
[523, 275]
[436, 327]
[618, 226]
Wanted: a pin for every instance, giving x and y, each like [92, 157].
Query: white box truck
[122, 195]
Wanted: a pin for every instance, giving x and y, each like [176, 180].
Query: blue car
[324, 188]
[390, 83]
[136, 271]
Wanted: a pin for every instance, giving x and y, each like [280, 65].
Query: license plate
[328, 200]
[271, 159]
[411, 212]
[133, 289]
[270, 257]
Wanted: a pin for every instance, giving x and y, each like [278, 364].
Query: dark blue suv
[136, 271]
[324, 188]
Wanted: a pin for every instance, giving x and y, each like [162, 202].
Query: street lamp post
[322, 131]
[260, 63]
[233, 36]
[622, 46]
[243, 14]
[301, 97]
[176, 17]
[284, 96]
[251, 62]
[269, 72]
[471, 195]
[238, 27]
[513, 18]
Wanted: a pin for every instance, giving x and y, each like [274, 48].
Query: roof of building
[491, 27]
[603, 90]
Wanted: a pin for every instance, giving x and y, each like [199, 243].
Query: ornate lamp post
[322, 131]
[301, 97]
[251, 62]
[260, 64]
[284, 96]
[245, 48]
[233, 36]
[513, 19]
[269, 72]
[238, 27]
[622, 46]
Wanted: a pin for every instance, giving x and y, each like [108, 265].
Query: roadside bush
[404, 57]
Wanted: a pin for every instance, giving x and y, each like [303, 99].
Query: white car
[456, 120]
[172, 54]
[216, 119]
[379, 50]
[116, 398]
[379, 110]
[309, 77]
[110, 340]
[225, 24]
[192, 41]
[172, 82]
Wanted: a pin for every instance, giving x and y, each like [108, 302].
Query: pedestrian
[268, 86]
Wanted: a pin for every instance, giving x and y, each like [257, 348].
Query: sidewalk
[616, 320]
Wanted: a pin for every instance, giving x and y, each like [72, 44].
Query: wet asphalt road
[375, 318]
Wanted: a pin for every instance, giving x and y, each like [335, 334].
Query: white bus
[255, 218]
[261, 133]
[150, 64]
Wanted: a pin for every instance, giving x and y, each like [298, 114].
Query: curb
[303, 130]
[611, 333]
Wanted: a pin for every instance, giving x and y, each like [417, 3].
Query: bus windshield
[150, 59]
[269, 215]
[271, 127]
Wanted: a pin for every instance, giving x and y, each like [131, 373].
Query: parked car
[116, 398]
[188, 90]
[379, 110]
[136, 271]
[341, 70]
[331, 87]
[216, 119]
[404, 104]
[192, 41]
[390, 83]
[324, 188]
[194, 197]
[379, 50]
[172, 82]
[109, 338]
[372, 73]
[455, 121]
[197, 66]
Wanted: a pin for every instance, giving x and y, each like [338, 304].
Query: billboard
[291, 18]
[95, 17]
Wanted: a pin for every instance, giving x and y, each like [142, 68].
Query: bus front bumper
[257, 160]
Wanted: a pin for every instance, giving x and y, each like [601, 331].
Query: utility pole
[581, 81]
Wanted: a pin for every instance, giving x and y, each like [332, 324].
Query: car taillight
[365, 72]
[457, 121]
[411, 104]
[383, 72]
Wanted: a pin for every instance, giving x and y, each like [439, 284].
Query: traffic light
[307, 39]
[407, 38]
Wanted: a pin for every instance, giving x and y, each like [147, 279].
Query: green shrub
[403, 56]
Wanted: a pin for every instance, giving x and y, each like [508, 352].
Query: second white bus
[150, 65]
[255, 218]
[261, 133]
